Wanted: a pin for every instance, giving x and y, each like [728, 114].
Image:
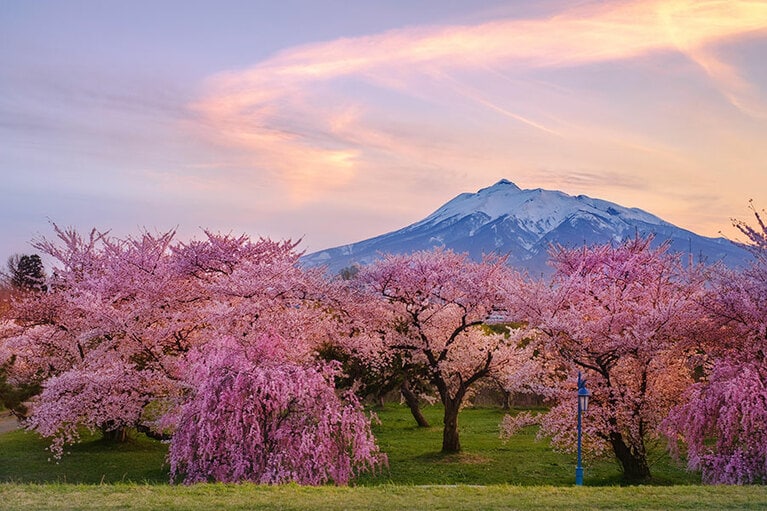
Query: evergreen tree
[26, 273]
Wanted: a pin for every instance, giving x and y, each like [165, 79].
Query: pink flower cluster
[259, 418]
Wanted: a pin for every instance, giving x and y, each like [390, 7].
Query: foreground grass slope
[521, 474]
[384, 497]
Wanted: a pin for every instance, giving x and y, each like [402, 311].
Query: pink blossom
[259, 418]
[722, 425]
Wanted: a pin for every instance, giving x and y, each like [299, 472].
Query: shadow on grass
[466, 458]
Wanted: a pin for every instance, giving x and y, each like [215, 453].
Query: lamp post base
[579, 476]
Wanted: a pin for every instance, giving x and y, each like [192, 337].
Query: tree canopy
[230, 349]
[624, 315]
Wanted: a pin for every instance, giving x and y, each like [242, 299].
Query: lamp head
[583, 398]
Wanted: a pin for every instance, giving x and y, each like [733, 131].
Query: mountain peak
[523, 224]
[503, 183]
[539, 210]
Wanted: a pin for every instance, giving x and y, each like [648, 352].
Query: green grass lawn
[490, 474]
[414, 456]
[24, 459]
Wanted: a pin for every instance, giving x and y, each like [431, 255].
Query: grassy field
[414, 456]
[384, 498]
[489, 474]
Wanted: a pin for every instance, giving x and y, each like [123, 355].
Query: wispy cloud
[590, 179]
[693, 27]
[320, 115]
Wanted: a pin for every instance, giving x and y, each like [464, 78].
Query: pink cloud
[321, 116]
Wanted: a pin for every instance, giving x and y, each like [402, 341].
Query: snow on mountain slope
[523, 224]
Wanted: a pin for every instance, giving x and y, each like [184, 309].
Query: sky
[334, 121]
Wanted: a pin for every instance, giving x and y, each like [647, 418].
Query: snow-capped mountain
[523, 224]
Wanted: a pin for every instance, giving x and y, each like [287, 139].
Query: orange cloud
[311, 115]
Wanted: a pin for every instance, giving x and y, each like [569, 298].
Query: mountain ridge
[522, 224]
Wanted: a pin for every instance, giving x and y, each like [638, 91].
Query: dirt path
[8, 422]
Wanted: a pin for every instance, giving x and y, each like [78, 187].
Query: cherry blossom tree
[722, 422]
[626, 317]
[110, 397]
[257, 417]
[110, 342]
[431, 312]
[250, 287]
[16, 385]
[370, 368]
[102, 341]
[378, 377]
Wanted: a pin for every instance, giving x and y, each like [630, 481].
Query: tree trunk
[505, 393]
[450, 440]
[506, 400]
[412, 402]
[635, 467]
[141, 428]
[115, 435]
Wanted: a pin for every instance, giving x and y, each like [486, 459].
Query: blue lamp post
[583, 405]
